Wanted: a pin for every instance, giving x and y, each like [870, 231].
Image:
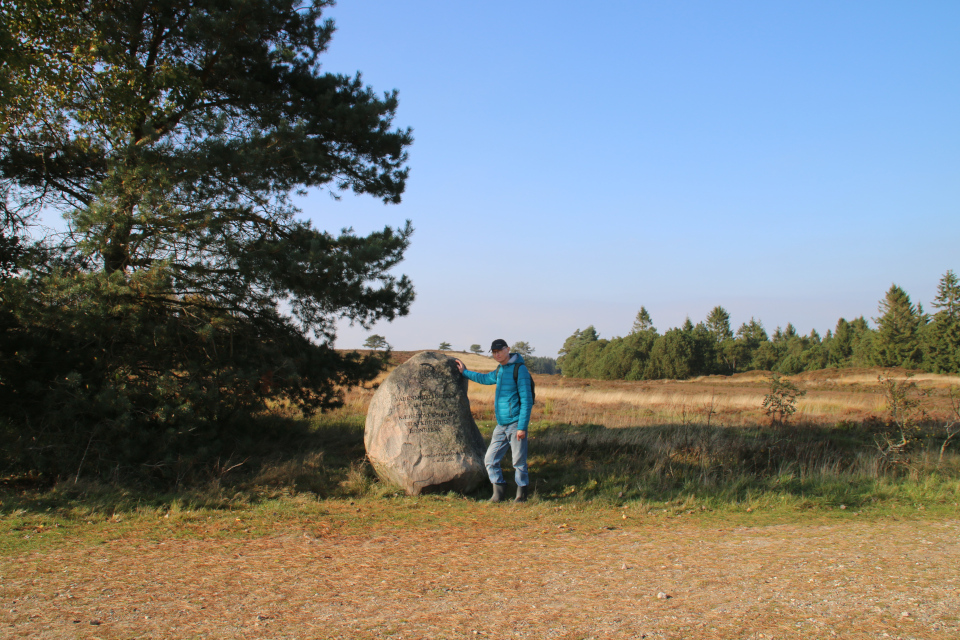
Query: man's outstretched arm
[481, 378]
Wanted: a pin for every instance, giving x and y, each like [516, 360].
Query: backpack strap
[516, 376]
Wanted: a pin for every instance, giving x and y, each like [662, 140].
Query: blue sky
[574, 161]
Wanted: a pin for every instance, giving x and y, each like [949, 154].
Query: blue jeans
[503, 437]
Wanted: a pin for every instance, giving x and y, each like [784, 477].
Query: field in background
[707, 443]
[833, 396]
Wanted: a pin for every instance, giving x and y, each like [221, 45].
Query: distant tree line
[903, 336]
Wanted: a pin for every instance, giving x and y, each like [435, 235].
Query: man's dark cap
[498, 344]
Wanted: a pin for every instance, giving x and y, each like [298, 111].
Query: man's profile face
[502, 355]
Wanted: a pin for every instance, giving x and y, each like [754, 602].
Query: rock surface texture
[419, 433]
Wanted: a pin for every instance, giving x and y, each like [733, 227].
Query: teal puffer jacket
[513, 401]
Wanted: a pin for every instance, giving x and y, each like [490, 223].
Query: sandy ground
[852, 579]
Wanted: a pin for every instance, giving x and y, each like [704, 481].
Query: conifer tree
[571, 352]
[173, 136]
[642, 322]
[718, 323]
[863, 339]
[897, 342]
[376, 342]
[841, 346]
[724, 347]
[748, 340]
[941, 336]
[673, 356]
[523, 348]
[947, 301]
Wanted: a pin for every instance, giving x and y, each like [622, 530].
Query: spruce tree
[863, 338]
[841, 346]
[642, 322]
[748, 340]
[947, 301]
[718, 323]
[941, 336]
[897, 342]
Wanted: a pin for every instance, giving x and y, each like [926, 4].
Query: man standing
[512, 403]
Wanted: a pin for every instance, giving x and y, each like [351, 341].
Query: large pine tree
[172, 136]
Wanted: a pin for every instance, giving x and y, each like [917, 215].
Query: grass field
[832, 396]
[681, 490]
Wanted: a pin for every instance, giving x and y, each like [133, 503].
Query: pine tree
[841, 346]
[570, 353]
[941, 336]
[718, 323]
[748, 340]
[672, 356]
[948, 296]
[523, 348]
[898, 331]
[173, 136]
[642, 322]
[577, 340]
[376, 342]
[862, 340]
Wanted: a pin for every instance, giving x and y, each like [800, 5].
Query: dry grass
[833, 395]
[497, 572]
[869, 377]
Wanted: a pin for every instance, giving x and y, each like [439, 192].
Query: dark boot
[499, 493]
[521, 494]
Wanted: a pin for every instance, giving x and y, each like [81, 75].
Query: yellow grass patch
[832, 395]
[932, 379]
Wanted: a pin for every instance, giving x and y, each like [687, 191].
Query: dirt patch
[878, 579]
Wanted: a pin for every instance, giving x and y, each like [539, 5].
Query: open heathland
[659, 510]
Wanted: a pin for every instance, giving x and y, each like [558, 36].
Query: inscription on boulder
[419, 433]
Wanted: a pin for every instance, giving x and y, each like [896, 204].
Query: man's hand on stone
[459, 364]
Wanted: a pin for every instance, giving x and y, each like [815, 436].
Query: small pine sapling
[781, 402]
[905, 414]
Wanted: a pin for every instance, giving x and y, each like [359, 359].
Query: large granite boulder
[419, 433]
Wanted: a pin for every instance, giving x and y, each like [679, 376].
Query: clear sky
[574, 161]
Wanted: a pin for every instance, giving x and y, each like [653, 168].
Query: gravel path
[854, 579]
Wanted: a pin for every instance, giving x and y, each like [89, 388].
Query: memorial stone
[419, 433]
